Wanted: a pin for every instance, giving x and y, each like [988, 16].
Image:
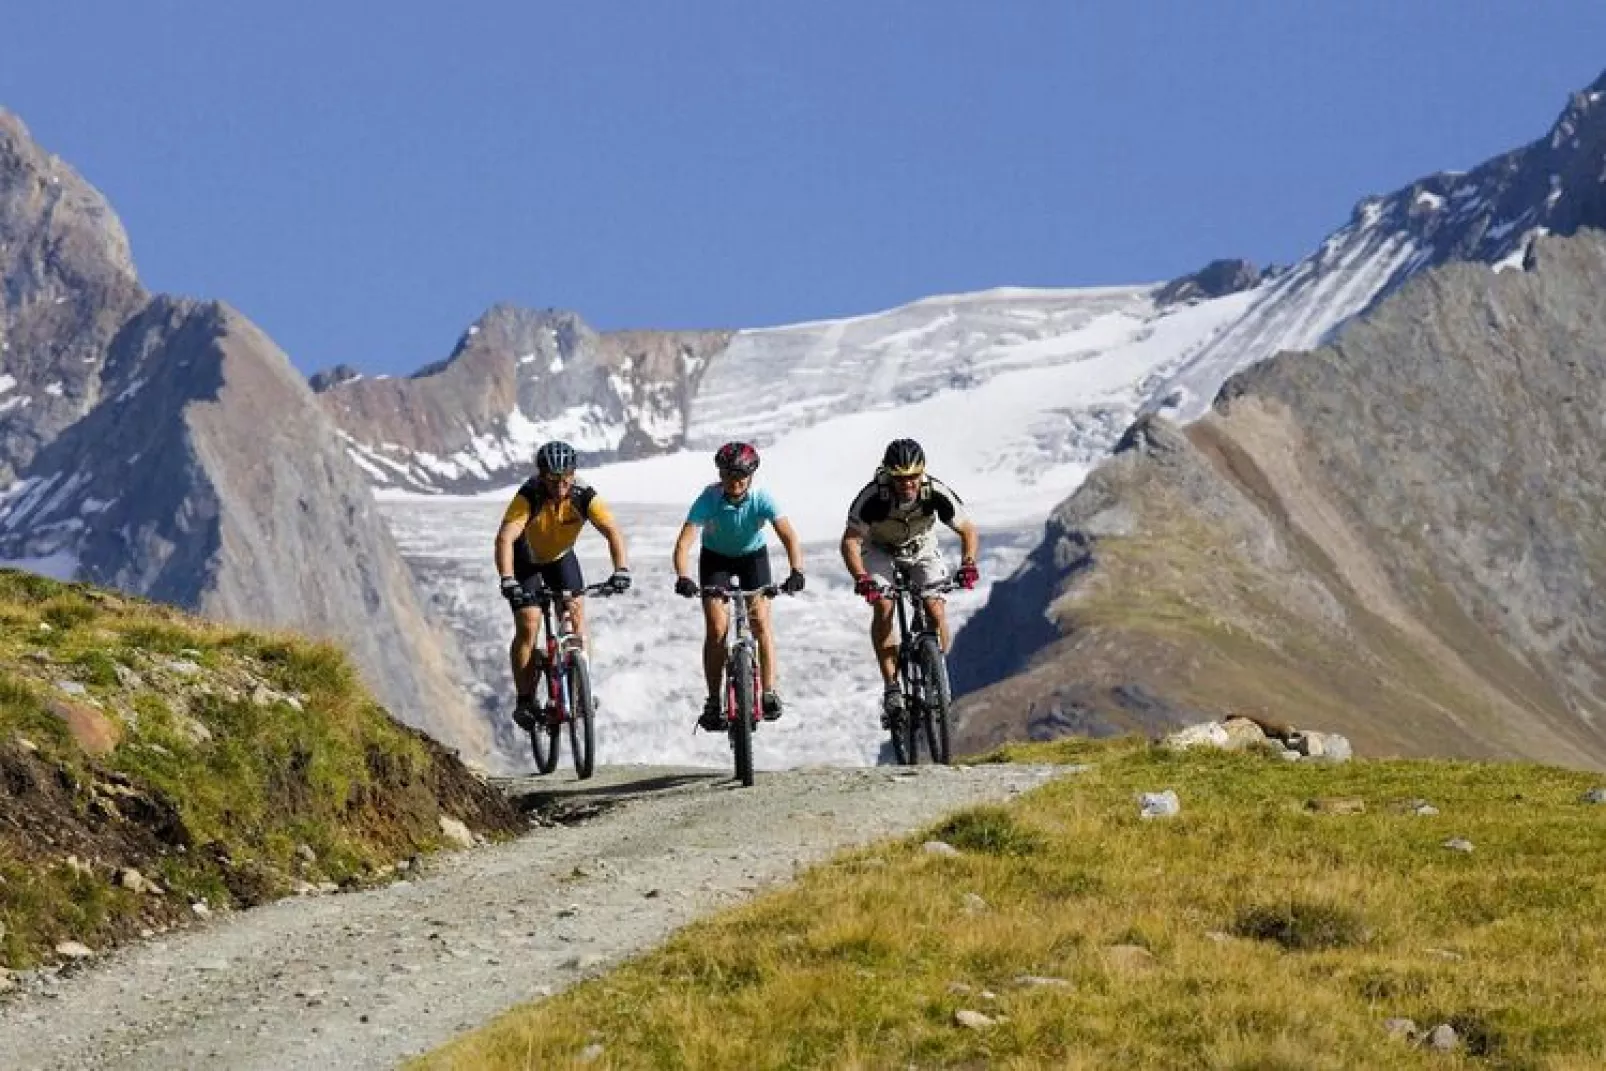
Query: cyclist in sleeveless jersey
[535, 551]
[731, 516]
[892, 524]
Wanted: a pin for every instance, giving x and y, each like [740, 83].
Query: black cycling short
[561, 575]
[714, 570]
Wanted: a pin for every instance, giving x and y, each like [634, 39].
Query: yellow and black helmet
[904, 458]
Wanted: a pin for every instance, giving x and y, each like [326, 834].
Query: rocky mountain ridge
[67, 284]
[517, 378]
[166, 447]
[1398, 536]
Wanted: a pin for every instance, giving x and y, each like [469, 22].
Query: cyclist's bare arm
[616, 540]
[852, 551]
[788, 536]
[969, 541]
[506, 536]
[683, 542]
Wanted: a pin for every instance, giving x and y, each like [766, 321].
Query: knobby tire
[936, 698]
[741, 727]
[582, 711]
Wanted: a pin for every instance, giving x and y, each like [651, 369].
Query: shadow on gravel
[567, 803]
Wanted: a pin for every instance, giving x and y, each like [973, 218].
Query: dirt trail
[365, 979]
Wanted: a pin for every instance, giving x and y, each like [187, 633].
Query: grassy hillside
[1280, 921]
[151, 762]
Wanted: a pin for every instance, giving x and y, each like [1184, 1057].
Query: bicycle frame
[915, 628]
[741, 650]
[910, 606]
[739, 634]
[562, 644]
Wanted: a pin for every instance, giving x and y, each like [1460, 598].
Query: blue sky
[364, 185]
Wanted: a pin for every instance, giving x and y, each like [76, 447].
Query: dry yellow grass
[1249, 932]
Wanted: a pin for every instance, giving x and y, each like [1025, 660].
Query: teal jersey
[732, 528]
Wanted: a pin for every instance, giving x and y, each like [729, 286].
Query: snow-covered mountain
[1490, 214]
[517, 378]
[1016, 395]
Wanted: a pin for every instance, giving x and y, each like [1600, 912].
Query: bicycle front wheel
[934, 685]
[544, 736]
[741, 722]
[582, 711]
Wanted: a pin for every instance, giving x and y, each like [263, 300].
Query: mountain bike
[742, 684]
[922, 673]
[567, 675]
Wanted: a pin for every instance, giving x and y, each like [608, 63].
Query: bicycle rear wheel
[582, 738]
[544, 736]
[934, 683]
[740, 671]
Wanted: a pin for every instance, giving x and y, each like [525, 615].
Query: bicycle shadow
[571, 800]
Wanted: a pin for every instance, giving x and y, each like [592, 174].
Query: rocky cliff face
[212, 480]
[1401, 536]
[168, 448]
[67, 283]
[516, 379]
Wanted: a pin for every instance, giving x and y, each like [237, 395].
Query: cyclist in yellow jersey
[535, 552]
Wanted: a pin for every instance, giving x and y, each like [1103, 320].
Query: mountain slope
[211, 480]
[150, 761]
[1398, 537]
[168, 448]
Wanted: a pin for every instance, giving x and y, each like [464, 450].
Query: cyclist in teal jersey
[731, 516]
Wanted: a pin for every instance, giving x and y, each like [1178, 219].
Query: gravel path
[365, 979]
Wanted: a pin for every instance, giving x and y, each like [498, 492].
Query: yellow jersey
[551, 527]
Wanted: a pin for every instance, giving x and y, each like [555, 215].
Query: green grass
[207, 790]
[1276, 937]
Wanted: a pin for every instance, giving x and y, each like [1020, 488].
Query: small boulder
[1204, 734]
[1159, 804]
[939, 847]
[1443, 1038]
[456, 832]
[1458, 844]
[90, 729]
[1595, 795]
[1337, 805]
[973, 1020]
[1243, 734]
[74, 950]
[1130, 958]
[137, 883]
[1039, 981]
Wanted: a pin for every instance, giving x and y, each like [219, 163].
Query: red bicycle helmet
[738, 458]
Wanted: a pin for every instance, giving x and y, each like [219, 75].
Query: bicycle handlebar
[936, 587]
[602, 589]
[768, 590]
